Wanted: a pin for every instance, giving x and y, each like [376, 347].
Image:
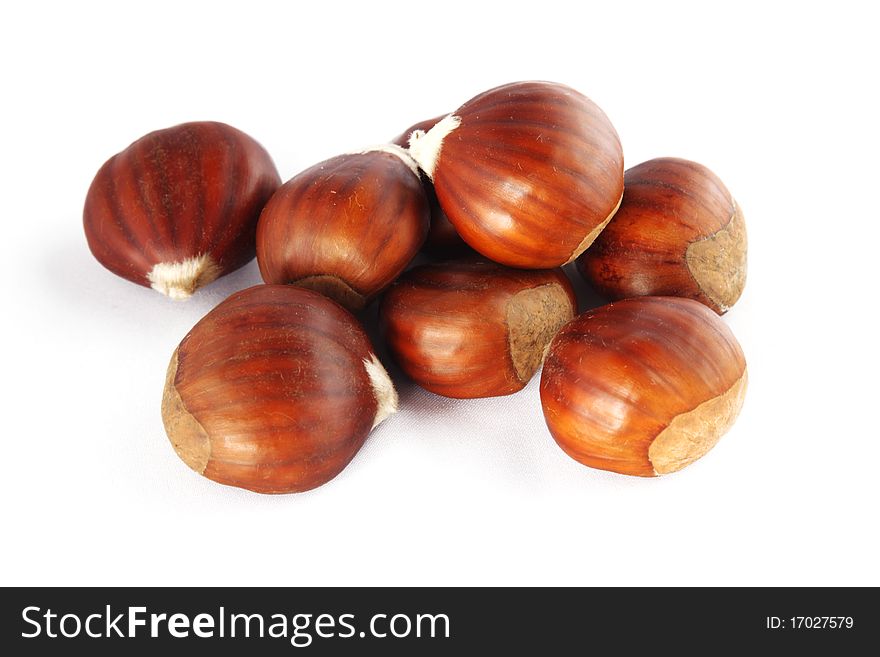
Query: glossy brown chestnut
[528, 173]
[179, 207]
[275, 390]
[474, 328]
[443, 240]
[678, 232]
[346, 227]
[643, 386]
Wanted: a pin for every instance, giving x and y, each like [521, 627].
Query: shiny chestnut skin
[179, 207]
[346, 227]
[443, 240]
[643, 386]
[275, 390]
[528, 173]
[474, 328]
[678, 232]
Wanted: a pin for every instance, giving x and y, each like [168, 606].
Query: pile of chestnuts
[277, 388]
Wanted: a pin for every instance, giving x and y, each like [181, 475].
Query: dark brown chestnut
[179, 207]
[275, 390]
[443, 240]
[529, 173]
[678, 232]
[643, 386]
[346, 227]
[474, 328]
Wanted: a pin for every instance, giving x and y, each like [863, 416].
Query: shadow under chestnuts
[277, 388]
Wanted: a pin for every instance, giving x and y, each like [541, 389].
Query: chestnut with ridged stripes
[529, 173]
[275, 391]
[643, 386]
[179, 207]
[472, 328]
[346, 227]
[678, 232]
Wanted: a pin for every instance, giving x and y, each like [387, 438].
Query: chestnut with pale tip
[644, 386]
[678, 232]
[179, 207]
[275, 391]
[346, 227]
[443, 240]
[529, 173]
[473, 328]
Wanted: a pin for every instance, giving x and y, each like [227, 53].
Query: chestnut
[678, 232]
[474, 328]
[275, 390]
[346, 227]
[643, 386]
[179, 207]
[529, 173]
[443, 240]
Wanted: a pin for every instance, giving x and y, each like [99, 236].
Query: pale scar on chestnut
[691, 435]
[534, 316]
[188, 437]
[718, 262]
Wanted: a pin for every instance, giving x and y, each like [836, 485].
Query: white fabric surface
[445, 492]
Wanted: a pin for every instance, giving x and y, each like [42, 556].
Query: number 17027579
[810, 623]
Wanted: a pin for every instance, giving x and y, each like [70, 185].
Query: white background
[778, 99]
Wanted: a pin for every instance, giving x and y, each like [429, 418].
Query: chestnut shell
[346, 227]
[531, 174]
[183, 198]
[473, 328]
[678, 232]
[274, 390]
[643, 386]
